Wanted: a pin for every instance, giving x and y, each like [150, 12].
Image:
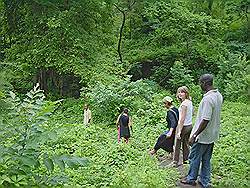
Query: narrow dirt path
[182, 169]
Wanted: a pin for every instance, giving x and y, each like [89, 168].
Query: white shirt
[209, 109]
[189, 113]
[87, 116]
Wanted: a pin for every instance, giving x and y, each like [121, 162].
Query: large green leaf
[5, 178]
[81, 161]
[29, 160]
[49, 164]
[59, 179]
[12, 95]
[60, 163]
[74, 161]
[29, 95]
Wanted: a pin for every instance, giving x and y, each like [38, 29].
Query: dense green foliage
[130, 165]
[23, 139]
[68, 45]
[34, 152]
[109, 101]
[114, 54]
[230, 160]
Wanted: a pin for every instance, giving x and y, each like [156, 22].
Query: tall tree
[123, 11]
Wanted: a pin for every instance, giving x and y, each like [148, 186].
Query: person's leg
[118, 135]
[205, 175]
[157, 145]
[194, 160]
[177, 148]
[159, 142]
[185, 145]
[126, 140]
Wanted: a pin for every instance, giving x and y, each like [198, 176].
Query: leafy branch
[24, 135]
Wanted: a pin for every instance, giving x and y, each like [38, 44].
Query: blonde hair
[185, 90]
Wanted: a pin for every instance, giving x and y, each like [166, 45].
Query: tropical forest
[59, 57]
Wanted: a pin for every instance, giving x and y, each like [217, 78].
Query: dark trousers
[185, 133]
[165, 143]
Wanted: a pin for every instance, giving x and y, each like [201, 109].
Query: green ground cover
[112, 165]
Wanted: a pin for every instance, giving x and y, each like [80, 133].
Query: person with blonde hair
[184, 127]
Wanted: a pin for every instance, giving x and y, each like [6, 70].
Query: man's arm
[202, 126]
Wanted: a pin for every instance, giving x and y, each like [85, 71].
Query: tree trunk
[210, 6]
[66, 4]
[120, 34]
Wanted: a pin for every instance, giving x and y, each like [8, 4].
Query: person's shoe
[173, 164]
[185, 162]
[209, 186]
[188, 182]
[152, 152]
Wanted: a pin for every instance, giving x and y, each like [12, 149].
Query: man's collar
[210, 91]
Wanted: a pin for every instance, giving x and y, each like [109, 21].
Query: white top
[188, 118]
[87, 116]
[209, 109]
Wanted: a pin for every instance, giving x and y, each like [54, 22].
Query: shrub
[180, 76]
[23, 162]
[108, 101]
[196, 94]
[233, 77]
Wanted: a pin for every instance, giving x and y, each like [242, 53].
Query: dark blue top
[172, 118]
[124, 128]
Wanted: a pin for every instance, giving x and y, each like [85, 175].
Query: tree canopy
[66, 45]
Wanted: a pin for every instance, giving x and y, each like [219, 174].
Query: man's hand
[192, 140]
[201, 127]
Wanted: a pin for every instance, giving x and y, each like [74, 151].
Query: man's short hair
[207, 79]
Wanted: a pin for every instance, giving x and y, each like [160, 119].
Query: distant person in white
[204, 133]
[86, 114]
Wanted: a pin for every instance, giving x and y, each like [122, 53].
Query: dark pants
[185, 133]
[119, 136]
[165, 143]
